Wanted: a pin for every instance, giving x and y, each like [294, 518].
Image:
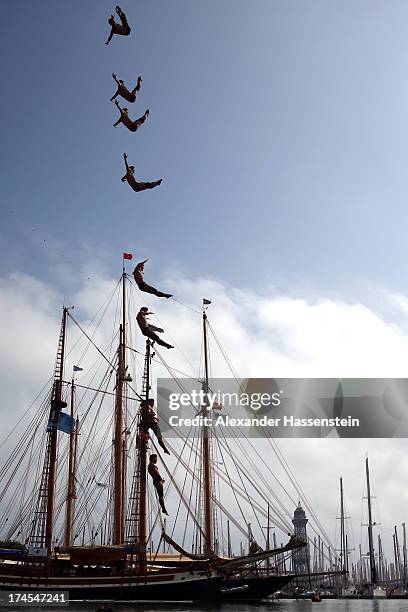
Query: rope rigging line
[198, 480]
[174, 299]
[242, 472]
[173, 481]
[223, 352]
[147, 302]
[196, 456]
[22, 418]
[99, 350]
[162, 362]
[182, 491]
[90, 339]
[299, 489]
[283, 462]
[187, 306]
[245, 496]
[87, 472]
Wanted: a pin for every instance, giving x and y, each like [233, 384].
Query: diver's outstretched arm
[110, 37]
[126, 164]
[117, 91]
[120, 118]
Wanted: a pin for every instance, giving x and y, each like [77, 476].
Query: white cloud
[283, 336]
[28, 335]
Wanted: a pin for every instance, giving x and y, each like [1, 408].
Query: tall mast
[142, 471]
[394, 540]
[41, 531]
[398, 556]
[404, 555]
[268, 539]
[71, 473]
[373, 572]
[343, 542]
[278, 558]
[136, 526]
[118, 529]
[208, 527]
[267, 527]
[56, 404]
[381, 576]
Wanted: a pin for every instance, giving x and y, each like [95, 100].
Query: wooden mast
[136, 521]
[56, 404]
[206, 453]
[142, 471]
[118, 527]
[373, 571]
[71, 473]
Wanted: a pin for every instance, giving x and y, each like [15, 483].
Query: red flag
[127, 256]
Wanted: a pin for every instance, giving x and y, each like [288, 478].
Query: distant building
[300, 556]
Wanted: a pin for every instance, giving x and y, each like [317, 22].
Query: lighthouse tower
[300, 556]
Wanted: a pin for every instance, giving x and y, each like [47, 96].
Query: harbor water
[328, 605]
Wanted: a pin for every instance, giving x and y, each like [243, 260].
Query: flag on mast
[66, 423]
[206, 302]
[77, 369]
[127, 256]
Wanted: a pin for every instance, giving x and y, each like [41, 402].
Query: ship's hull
[253, 587]
[183, 586]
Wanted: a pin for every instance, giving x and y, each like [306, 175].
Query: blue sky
[279, 129]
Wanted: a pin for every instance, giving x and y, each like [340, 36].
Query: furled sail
[184, 553]
[294, 542]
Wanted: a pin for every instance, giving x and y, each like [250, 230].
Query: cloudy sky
[280, 132]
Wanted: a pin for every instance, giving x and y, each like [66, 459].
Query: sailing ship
[399, 590]
[364, 590]
[49, 509]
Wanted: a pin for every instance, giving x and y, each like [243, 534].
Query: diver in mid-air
[126, 120]
[138, 274]
[150, 421]
[131, 180]
[123, 91]
[122, 29]
[149, 330]
[157, 481]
